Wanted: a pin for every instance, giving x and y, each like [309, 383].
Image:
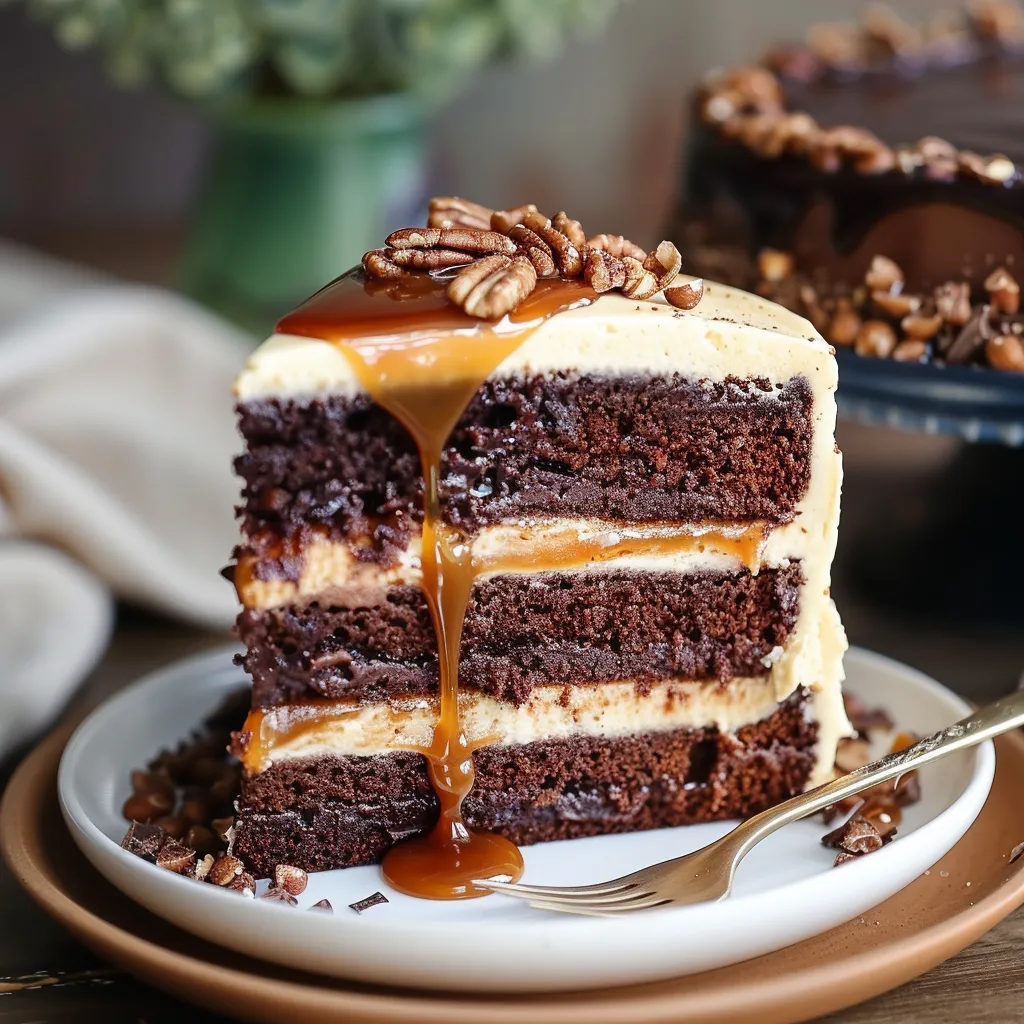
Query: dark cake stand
[957, 550]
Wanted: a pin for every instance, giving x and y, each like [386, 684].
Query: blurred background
[142, 159]
[245, 153]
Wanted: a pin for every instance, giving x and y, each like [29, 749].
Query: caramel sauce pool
[422, 360]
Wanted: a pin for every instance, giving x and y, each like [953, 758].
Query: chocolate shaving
[144, 840]
[972, 337]
[323, 905]
[856, 838]
[1017, 852]
[371, 901]
[176, 857]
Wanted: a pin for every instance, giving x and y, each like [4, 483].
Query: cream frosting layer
[553, 711]
[331, 571]
[729, 332]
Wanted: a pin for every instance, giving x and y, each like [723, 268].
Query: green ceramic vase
[294, 193]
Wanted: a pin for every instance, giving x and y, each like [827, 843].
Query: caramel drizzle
[423, 360]
[558, 550]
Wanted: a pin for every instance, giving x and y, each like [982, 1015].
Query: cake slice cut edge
[615, 417]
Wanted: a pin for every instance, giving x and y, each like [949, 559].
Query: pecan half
[617, 246]
[664, 263]
[686, 296]
[567, 256]
[920, 327]
[1004, 352]
[572, 229]
[1003, 291]
[774, 265]
[535, 249]
[845, 325]
[426, 259]
[656, 272]
[639, 284]
[911, 350]
[875, 338]
[465, 239]
[603, 271]
[896, 305]
[453, 212]
[493, 286]
[502, 220]
[378, 263]
[884, 275]
[225, 870]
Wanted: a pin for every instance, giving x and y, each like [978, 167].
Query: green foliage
[212, 49]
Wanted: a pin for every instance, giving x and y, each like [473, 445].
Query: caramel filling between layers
[312, 728]
[329, 569]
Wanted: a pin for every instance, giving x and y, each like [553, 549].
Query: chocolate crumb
[855, 838]
[371, 901]
[323, 905]
[144, 840]
[279, 896]
[1017, 852]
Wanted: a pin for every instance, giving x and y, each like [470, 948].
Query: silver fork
[708, 873]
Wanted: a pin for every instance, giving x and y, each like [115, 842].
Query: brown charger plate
[930, 920]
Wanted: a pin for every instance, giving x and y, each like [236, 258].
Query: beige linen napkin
[116, 439]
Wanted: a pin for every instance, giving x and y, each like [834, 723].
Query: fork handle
[992, 720]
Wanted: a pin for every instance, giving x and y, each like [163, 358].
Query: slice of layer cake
[638, 504]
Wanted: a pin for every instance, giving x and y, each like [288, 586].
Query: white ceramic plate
[786, 890]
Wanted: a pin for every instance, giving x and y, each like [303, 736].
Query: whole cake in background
[870, 180]
[536, 544]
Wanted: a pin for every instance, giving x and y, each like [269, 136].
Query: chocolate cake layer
[327, 812]
[523, 631]
[639, 449]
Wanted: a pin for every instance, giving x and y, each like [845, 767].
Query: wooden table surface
[979, 657]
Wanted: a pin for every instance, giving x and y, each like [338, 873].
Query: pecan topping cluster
[494, 258]
[883, 319]
[748, 105]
